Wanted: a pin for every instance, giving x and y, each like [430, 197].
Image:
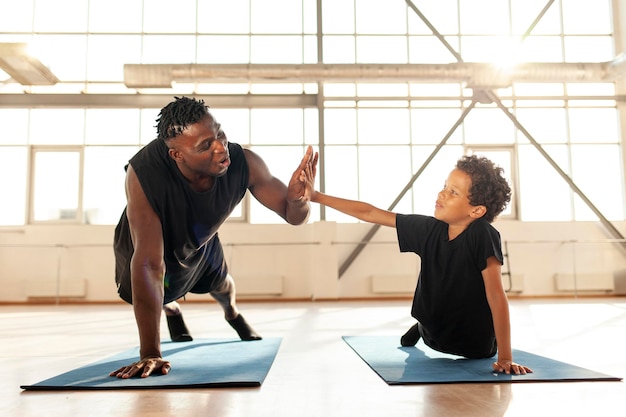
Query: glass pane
[430, 126]
[115, 16]
[381, 49]
[173, 49]
[383, 126]
[276, 49]
[588, 49]
[148, 125]
[543, 89]
[14, 124]
[382, 90]
[309, 49]
[339, 50]
[65, 55]
[475, 20]
[503, 159]
[311, 127]
[341, 162]
[340, 126]
[263, 16]
[598, 174]
[17, 16]
[487, 126]
[373, 19]
[433, 176]
[383, 172]
[544, 125]
[591, 89]
[438, 14]
[544, 194]
[430, 50]
[55, 185]
[338, 16]
[102, 65]
[309, 16]
[160, 16]
[282, 161]
[218, 16]
[276, 126]
[235, 123]
[540, 49]
[524, 13]
[104, 197]
[14, 166]
[112, 126]
[579, 17]
[61, 16]
[223, 49]
[486, 48]
[594, 125]
[57, 126]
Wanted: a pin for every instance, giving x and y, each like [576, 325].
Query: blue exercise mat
[204, 363]
[398, 365]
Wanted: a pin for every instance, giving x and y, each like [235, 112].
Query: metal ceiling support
[346, 264]
[474, 74]
[434, 30]
[23, 67]
[155, 101]
[609, 226]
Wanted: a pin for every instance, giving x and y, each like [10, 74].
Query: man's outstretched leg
[225, 296]
[175, 323]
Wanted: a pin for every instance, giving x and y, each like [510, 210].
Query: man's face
[202, 149]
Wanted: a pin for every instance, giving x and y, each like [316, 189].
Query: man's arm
[289, 202]
[499, 305]
[147, 270]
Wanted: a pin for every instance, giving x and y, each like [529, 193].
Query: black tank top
[189, 219]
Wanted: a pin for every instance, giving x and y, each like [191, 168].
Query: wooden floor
[315, 372]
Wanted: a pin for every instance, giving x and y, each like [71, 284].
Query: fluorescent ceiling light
[24, 68]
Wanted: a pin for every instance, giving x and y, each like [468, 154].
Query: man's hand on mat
[510, 367]
[145, 366]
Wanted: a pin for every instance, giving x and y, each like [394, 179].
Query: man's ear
[174, 154]
[478, 212]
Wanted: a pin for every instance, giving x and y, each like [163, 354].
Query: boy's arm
[360, 210]
[499, 306]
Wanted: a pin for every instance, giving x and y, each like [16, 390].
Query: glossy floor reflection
[315, 373]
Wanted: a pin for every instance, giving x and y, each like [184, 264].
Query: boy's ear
[478, 212]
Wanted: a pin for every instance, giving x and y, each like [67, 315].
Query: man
[180, 188]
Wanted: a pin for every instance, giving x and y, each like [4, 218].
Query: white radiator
[393, 284]
[74, 288]
[584, 282]
[259, 285]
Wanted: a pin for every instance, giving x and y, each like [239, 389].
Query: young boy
[460, 305]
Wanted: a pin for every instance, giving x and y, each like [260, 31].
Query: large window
[66, 161]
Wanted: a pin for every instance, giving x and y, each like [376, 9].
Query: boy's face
[453, 205]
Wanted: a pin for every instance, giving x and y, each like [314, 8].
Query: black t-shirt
[190, 219]
[450, 301]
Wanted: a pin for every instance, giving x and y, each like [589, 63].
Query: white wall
[76, 262]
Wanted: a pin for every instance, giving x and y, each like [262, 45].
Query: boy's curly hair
[489, 187]
[179, 114]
